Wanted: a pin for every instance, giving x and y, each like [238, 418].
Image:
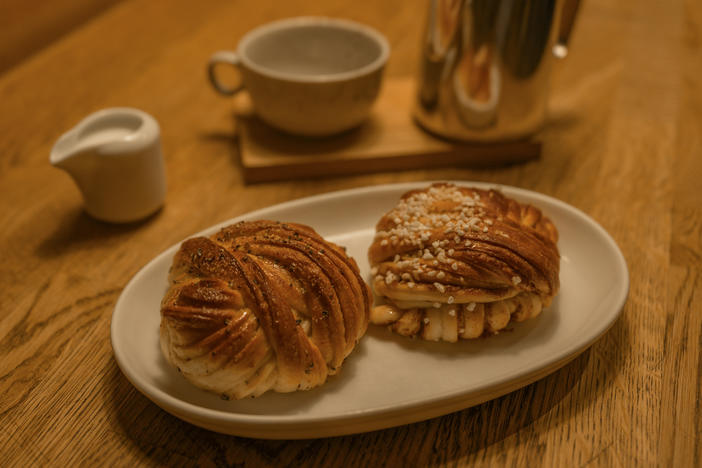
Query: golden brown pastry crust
[457, 262]
[262, 305]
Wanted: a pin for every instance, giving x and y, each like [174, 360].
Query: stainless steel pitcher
[486, 64]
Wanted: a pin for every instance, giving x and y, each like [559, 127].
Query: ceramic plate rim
[192, 412]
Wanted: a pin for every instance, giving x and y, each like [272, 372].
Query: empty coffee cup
[308, 76]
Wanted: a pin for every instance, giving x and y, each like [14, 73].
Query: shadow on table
[463, 436]
[78, 230]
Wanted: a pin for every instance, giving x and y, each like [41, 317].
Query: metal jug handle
[568, 14]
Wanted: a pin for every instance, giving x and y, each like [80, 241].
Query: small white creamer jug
[115, 158]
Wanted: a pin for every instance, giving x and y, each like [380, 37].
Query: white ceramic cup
[309, 76]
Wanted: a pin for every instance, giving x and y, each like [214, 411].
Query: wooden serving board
[388, 141]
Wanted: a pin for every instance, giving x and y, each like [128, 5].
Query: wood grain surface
[623, 144]
[27, 27]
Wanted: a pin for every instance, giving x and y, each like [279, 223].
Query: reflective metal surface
[485, 66]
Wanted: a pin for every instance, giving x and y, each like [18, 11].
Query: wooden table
[623, 144]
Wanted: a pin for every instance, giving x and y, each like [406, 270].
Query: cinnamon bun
[452, 262]
[262, 306]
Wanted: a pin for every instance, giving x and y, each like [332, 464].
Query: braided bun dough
[455, 262]
[262, 306]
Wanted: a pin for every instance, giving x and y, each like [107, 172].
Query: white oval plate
[387, 380]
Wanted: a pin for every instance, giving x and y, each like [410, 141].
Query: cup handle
[223, 57]
[568, 14]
